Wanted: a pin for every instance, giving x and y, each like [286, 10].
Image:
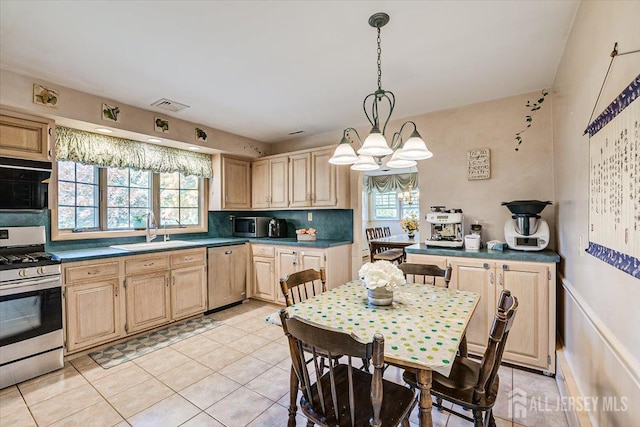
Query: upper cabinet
[23, 138]
[230, 186]
[302, 179]
[270, 179]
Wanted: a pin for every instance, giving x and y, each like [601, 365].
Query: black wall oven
[24, 184]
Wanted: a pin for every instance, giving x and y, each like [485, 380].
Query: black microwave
[251, 226]
[24, 184]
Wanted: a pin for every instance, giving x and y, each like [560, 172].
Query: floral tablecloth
[422, 328]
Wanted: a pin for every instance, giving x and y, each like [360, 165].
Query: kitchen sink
[152, 245]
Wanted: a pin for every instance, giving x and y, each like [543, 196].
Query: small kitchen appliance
[446, 228]
[251, 226]
[30, 306]
[526, 230]
[278, 228]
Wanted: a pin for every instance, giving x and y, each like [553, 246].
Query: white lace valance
[109, 151]
[387, 183]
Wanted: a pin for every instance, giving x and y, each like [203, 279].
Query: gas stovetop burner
[27, 258]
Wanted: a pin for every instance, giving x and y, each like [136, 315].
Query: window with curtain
[104, 183]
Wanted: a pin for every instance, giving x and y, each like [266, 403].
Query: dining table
[422, 327]
[399, 241]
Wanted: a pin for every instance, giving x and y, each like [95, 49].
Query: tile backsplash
[333, 224]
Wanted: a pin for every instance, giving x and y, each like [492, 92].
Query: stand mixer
[526, 230]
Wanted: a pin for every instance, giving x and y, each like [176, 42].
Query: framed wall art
[478, 164]
[45, 96]
[201, 135]
[110, 113]
[161, 125]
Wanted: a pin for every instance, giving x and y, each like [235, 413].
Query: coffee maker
[526, 230]
[446, 227]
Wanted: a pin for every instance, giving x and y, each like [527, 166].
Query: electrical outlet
[310, 216]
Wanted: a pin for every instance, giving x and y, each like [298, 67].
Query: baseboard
[569, 390]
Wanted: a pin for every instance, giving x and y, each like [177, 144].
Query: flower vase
[379, 296]
[411, 234]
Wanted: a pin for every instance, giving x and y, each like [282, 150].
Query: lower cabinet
[271, 263]
[227, 275]
[532, 337]
[111, 298]
[93, 314]
[147, 301]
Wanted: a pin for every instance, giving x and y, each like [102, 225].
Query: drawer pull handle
[149, 264]
[188, 258]
[91, 273]
[228, 252]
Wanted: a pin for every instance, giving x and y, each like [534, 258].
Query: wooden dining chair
[387, 254]
[345, 395]
[421, 272]
[473, 385]
[301, 285]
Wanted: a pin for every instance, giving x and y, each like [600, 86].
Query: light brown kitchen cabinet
[270, 180]
[93, 304]
[108, 299]
[273, 262]
[227, 275]
[300, 180]
[148, 300]
[532, 338]
[92, 313]
[230, 186]
[323, 179]
[24, 139]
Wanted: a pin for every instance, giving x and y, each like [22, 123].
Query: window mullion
[155, 197]
[102, 198]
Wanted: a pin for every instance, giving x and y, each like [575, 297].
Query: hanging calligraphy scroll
[614, 182]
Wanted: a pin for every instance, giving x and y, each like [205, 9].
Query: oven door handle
[30, 286]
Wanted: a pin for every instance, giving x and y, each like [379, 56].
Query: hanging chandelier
[375, 147]
[408, 197]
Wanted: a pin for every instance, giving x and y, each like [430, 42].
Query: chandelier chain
[379, 62]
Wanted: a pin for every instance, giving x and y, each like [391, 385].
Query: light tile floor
[235, 375]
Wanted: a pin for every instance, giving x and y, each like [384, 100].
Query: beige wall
[600, 321]
[83, 111]
[515, 175]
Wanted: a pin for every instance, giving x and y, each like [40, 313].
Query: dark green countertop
[508, 254]
[109, 252]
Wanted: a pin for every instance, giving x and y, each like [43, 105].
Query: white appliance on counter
[446, 228]
[526, 230]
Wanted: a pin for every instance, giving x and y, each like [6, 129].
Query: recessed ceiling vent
[169, 105]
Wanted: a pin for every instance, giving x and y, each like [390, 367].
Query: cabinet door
[287, 262]
[147, 300]
[476, 276]
[24, 139]
[279, 190]
[93, 314]
[300, 180]
[236, 184]
[188, 291]
[528, 338]
[323, 180]
[261, 180]
[263, 278]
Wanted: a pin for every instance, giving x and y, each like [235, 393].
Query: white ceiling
[263, 69]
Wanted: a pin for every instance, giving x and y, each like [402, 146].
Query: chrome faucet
[151, 224]
[166, 235]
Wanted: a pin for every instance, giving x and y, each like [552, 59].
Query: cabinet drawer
[146, 264]
[91, 272]
[188, 258]
[266, 251]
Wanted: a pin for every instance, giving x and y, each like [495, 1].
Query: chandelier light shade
[375, 146]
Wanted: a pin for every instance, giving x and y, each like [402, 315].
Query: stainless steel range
[30, 306]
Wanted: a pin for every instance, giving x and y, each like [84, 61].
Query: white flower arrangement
[381, 274]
